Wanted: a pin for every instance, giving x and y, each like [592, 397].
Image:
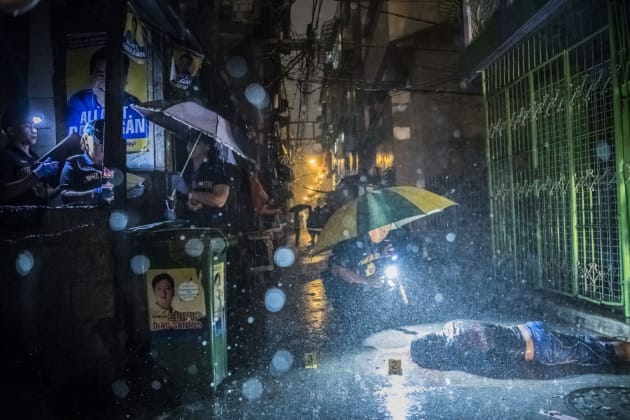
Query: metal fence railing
[557, 109]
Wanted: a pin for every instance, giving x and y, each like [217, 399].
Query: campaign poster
[135, 37]
[218, 299]
[85, 87]
[185, 65]
[175, 298]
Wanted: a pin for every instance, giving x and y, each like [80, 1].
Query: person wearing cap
[22, 176]
[83, 178]
[355, 261]
[472, 344]
[204, 187]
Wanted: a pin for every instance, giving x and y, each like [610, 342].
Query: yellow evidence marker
[310, 360]
[395, 367]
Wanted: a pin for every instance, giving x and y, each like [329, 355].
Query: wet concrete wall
[444, 116]
[59, 301]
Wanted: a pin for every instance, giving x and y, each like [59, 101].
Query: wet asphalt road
[342, 371]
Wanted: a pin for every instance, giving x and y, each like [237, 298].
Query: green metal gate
[558, 112]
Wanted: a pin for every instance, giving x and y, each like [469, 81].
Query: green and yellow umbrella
[378, 208]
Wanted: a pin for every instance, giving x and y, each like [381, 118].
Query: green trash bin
[180, 281]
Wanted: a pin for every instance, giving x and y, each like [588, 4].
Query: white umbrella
[183, 118]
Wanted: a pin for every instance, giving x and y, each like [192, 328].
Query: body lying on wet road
[465, 344]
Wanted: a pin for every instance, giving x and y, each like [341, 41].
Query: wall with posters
[85, 87]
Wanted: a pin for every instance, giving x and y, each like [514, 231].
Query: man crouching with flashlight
[354, 260]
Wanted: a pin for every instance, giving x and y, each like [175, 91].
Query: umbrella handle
[170, 210]
[181, 173]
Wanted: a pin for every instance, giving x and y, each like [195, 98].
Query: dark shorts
[553, 348]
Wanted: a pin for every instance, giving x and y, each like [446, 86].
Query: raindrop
[118, 177]
[274, 299]
[256, 95]
[450, 237]
[24, 262]
[192, 369]
[252, 389]
[250, 320]
[284, 257]
[204, 343]
[603, 151]
[218, 245]
[118, 220]
[236, 66]
[155, 384]
[439, 297]
[363, 178]
[140, 264]
[457, 133]
[120, 388]
[194, 247]
[282, 361]
[463, 84]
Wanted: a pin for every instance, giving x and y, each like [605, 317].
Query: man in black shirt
[204, 186]
[21, 175]
[464, 344]
[355, 260]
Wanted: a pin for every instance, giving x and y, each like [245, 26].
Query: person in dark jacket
[22, 175]
[83, 178]
[204, 186]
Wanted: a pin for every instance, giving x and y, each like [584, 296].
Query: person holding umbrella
[297, 220]
[203, 186]
[365, 251]
[354, 261]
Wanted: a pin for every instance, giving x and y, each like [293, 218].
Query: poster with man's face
[135, 37]
[185, 66]
[85, 87]
[176, 299]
